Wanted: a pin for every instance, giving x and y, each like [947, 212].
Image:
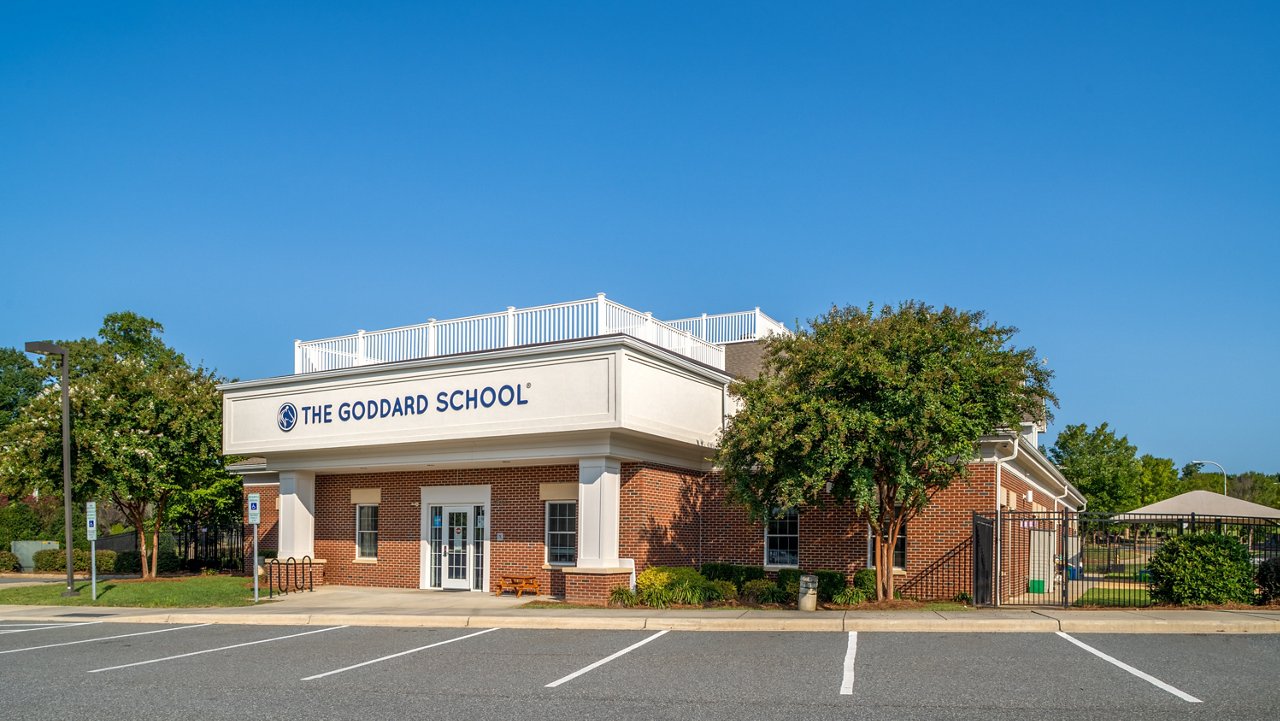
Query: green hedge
[128, 562]
[1205, 568]
[1268, 579]
[9, 563]
[739, 576]
[131, 562]
[55, 561]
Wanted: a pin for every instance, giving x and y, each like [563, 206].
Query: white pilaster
[599, 480]
[297, 514]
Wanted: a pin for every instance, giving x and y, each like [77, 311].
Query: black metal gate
[983, 556]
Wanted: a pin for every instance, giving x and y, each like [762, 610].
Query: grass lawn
[1123, 597]
[185, 592]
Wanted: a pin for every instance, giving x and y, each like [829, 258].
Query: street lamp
[48, 348]
[1224, 474]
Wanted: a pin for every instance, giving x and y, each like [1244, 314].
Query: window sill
[896, 570]
[776, 567]
[364, 560]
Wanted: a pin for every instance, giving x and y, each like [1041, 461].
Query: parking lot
[83, 667]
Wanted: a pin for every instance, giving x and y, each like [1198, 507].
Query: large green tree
[1157, 479]
[147, 429]
[1102, 465]
[879, 410]
[20, 381]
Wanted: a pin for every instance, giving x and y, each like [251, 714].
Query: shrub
[106, 562]
[1268, 579]
[762, 590]
[50, 560]
[168, 562]
[737, 575]
[623, 596]
[724, 590]
[865, 581]
[661, 586]
[55, 561]
[830, 583]
[1205, 568]
[9, 563]
[849, 596]
[789, 582]
[128, 562]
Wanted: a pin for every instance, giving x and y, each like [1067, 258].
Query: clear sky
[1104, 176]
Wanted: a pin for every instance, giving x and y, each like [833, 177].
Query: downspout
[999, 521]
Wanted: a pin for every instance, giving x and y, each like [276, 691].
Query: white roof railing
[698, 338]
[725, 328]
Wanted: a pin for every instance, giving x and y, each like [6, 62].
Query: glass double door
[457, 554]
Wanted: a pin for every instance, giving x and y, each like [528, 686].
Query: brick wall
[668, 516]
[268, 517]
[593, 587]
[660, 515]
[515, 511]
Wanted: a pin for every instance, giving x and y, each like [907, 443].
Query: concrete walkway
[336, 605]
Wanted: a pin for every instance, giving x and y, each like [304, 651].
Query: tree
[883, 408]
[20, 381]
[1157, 480]
[147, 427]
[1103, 467]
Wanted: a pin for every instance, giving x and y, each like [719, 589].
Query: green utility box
[1035, 585]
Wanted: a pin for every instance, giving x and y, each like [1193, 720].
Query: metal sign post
[91, 531]
[255, 516]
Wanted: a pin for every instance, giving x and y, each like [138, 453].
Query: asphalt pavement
[82, 667]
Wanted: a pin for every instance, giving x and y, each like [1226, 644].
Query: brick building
[570, 442]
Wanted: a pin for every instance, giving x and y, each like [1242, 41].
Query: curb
[1239, 624]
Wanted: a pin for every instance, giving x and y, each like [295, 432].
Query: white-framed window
[367, 531]
[562, 533]
[782, 538]
[899, 549]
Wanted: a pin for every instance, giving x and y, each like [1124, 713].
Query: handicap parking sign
[254, 513]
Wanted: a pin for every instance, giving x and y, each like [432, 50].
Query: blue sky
[1105, 178]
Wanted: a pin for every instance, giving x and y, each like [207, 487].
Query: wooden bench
[519, 584]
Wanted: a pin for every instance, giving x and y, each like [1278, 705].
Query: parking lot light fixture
[48, 348]
[1224, 473]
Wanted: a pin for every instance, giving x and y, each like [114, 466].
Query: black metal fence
[221, 548]
[190, 548]
[1095, 560]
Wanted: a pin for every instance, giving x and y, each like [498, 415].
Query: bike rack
[290, 575]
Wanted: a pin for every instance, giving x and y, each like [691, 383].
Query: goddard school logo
[287, 417]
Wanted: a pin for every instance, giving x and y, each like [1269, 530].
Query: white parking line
[846, 684]
[1121, 664]
[605, 660]
[17, 625]
[397, 655]
[220, 648]
[50, 626]
[105, 638]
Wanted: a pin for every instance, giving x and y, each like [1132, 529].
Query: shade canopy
[1203, 503]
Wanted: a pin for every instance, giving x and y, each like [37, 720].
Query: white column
[599, 480]
[297, 514]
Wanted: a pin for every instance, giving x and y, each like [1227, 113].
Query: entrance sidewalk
[336, 605]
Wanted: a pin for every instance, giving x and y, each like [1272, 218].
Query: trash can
[808, 600]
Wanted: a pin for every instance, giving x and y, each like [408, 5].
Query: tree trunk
[155, 537]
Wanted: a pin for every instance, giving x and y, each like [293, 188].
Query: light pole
[1224, 473]
[48, 348]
